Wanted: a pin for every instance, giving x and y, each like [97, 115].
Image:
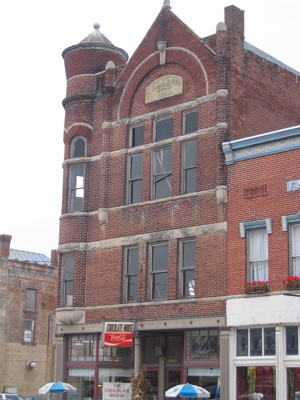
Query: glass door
[173, 377]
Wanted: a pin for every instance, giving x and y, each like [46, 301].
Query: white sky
[33, 35]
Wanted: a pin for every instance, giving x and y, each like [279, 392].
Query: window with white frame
[162, 173]
[257, 248]
[291, 223]
[30, 299]
[295, 249]
[257, 255]
[131, 273]
[28, 330]
[163, 129]
[292, 340]
[190, 122]
[67, 279]
[78, 147]
[76, 188]
[159, 271]
[189, 164]
[255, 342]
[82, 348]
[187, 267]
[136, 135]
[135, 173]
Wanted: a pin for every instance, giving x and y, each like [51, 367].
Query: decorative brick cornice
[262, 145]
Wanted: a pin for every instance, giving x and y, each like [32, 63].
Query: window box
[256, 287]
[292, 283]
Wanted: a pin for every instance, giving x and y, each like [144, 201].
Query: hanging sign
[116, 391]
[118, 334]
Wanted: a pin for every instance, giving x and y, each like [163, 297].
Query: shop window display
[255, 382]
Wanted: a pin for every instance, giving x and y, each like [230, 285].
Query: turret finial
[167, 3]
[96, 25]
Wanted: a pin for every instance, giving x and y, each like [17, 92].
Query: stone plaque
[161, 88]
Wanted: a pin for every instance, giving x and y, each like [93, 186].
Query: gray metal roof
[267, 57]
[28, 256]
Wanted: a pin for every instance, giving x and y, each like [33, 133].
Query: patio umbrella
[57, 387]
[187, 390]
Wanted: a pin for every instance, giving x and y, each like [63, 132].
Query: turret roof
[96, 37]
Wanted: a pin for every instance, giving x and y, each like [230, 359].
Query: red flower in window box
[256, 287]
[292, 282]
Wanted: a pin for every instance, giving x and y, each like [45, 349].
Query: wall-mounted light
[31, 364]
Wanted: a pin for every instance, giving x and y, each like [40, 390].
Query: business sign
[116, 391]
[118, 334]
[293, 185]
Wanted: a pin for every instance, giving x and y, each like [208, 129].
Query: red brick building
[263, 256]
[28, 286]
[144, 225]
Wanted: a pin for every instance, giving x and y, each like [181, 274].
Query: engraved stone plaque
[161, 88]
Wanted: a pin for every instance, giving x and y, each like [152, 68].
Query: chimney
[5, 246]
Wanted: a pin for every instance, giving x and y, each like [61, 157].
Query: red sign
[118, 334]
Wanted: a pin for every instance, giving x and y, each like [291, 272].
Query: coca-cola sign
[118, 334]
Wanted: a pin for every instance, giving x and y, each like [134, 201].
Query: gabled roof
[29, 257]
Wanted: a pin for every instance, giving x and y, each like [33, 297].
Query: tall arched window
[76, 177]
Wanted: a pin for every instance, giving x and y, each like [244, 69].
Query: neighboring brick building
[28, 288]
[143, 231]
[264, 246]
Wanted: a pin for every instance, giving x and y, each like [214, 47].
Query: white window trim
[265, 223]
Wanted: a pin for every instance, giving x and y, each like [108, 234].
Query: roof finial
[167, 3]
[96, 25]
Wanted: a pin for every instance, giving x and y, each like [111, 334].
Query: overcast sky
[33, 35]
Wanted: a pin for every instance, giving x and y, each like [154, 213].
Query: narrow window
[135, 178]
[76, 187]
[30, 299]
[189, 166]
[162, 173]
[190, 122]
[78, 147]
[137, 136]
[131, 273]
[187, 264]
[257, 255]
[159, 271]
[28, 330]
[269, 342]
[67, 281]
[163, 129]
[295, 248]
[242, 342]
[292, 340]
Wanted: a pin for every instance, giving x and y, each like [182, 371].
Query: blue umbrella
[188, 391]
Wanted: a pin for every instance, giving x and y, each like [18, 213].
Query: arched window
[78, 147]
[76, 177]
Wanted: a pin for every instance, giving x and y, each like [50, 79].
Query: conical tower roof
[92, 54]
[96, 37]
